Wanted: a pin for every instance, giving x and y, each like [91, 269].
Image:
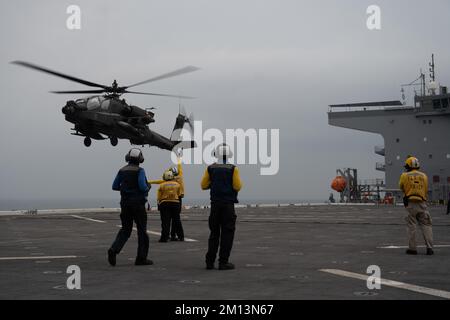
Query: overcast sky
[265, 64]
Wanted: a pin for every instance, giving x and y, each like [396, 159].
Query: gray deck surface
[278, 252]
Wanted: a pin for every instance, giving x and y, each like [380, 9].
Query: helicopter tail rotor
[180, 122]
[190, 121]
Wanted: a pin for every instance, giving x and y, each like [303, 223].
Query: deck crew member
[132, 184]
[176, 232]
[448, 203]
[168, 196]
[414, 185]
[224, 183]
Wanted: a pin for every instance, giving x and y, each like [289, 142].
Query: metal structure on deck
[421, 129]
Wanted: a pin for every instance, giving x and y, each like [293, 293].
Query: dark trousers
[130, 213]
[177, 226]
[222, 224]
[168, 210]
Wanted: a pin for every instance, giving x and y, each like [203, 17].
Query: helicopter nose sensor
[70, 107]
[67, 109]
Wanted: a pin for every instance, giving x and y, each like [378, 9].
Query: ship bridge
[421, 130]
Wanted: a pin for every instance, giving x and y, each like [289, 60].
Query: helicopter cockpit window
[93, 103]
[105, 104]
[81, 102]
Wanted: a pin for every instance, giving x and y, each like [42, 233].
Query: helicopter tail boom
[185, 144]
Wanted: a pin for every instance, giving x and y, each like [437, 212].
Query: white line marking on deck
[88, 219]
[391, 283]
[38, 257]
[405, 247]
[159, 234]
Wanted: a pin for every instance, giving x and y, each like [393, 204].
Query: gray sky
[265, 64]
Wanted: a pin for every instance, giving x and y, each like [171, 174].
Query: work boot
[143, 262]
[173, 239]
[209, 266]
[181, 239]
[112, 257]
[413, 252]
[163, 240]
[226, 266]
[430, 252]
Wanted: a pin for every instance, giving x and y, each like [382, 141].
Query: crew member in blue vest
[132, 184]
[224, 183]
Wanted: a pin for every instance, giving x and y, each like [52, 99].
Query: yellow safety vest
[178, 178]
[414, 185]
[169, 191]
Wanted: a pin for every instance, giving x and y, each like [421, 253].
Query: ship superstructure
[421, 130]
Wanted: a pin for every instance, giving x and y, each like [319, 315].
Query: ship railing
[371, 182]
[366, 106]
[351, 109]
[439, 193]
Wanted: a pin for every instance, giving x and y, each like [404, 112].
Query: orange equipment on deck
[338, 184]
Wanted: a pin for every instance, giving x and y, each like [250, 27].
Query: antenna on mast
[433, 86]
[422, 82]
[432, 73]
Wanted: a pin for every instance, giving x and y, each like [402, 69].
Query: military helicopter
[108, 116]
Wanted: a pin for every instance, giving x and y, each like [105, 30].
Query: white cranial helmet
[135, 155]
[223, 151]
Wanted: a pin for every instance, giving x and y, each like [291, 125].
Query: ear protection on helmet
[223, 151]
[134, 154]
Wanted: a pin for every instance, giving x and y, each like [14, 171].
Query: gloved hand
[405, 201]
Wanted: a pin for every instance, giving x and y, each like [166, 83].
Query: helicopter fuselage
[107, 116]
[102, 117]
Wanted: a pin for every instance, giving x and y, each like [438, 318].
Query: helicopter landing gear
[113, 141]
[87, 141]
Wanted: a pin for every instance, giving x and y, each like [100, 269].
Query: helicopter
[107, 116]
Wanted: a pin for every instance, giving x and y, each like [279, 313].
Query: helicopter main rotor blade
[58, 74]
[166, 75]
[159, 94]
[79, 91]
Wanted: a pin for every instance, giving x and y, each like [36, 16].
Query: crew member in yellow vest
[176, 232]
[414, 185]
[168, 196]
